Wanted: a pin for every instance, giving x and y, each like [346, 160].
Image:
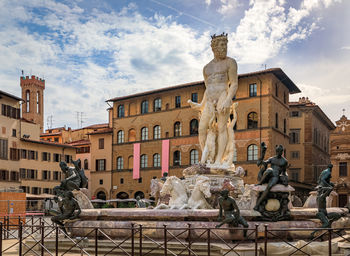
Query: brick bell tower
[33, 95]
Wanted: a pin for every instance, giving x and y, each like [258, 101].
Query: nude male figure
[221, 82]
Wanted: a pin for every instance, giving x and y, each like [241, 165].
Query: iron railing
[140, 241]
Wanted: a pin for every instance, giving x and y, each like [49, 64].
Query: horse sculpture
[178, 194]
[200, 192]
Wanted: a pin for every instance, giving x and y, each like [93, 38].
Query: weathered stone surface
[311, 200]
[276, 188]
[83, 201]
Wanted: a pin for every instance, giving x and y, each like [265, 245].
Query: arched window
[252, 152]
[120, 137]
[120, 163]
[144, 133]
[86, 164]
[144, 107]
[276, 120]
[194, 126]
[156, 160]
[27, 100]
[101, 195]
[122, 195]
[177, 158]
[38, 102]
[252, 120]
[132, 135]
[144, 160]
[156, 132]
[177, 129]
[194, 156]
[121, 111]
[157, 105]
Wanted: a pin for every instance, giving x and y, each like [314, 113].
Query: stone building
[158, 131]
[25, 161]
[309, 152]
[340, 157]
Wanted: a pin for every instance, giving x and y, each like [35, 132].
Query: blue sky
[90, 51]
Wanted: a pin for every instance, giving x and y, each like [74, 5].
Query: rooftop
[48, 143]
[101, 131]
[2, 93]
[278, 72]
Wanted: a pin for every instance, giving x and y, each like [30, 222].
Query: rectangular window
[101, 143]
[101, 182]
[294, 136]
[23, 154]
[14, 176]
[46, 156]
[3, 149]
[56, 157]
[31, 155]
[68, 158]
[14, 154]
[100, 164]
[295, 154]
[177, 101]
[56, 175]
[194, 97]
[294, 174]
[22, 173]
[252, 90]
[4, 175]
[294, 114]
[46, 175]
[343, 169]
[14, 133]
[121, 181]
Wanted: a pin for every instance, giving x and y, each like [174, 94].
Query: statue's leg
[72, 186]
[273, 181]
[228, 220]
[244, 223]
[222, 135]
[265, 176]
[204, 123]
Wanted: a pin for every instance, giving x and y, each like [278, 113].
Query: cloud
[88, 57]
[227, 7]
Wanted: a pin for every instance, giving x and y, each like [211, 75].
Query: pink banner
[165, 156]
[136, 167]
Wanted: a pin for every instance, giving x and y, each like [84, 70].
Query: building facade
[340, 157]
[160, 130]
[309, 151]
[26, 162]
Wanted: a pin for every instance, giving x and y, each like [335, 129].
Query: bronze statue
[231, 212]
[74, 178]
[324, 189]
[164, 177]
[276, 174]
[140, 203]
[69, 209]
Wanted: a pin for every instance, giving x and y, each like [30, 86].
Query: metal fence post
[165, 241]
[42, 238]
[140, 240]
[265, 243]
[189, 239]
[256, 239]
[32, 224]
[208, 240]
[96, 241]
[56, 240]
[20, 240]
[0, 238]
[132, 240]
[330, 241]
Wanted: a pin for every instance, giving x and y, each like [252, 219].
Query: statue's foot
[217, 226]
[256, 208]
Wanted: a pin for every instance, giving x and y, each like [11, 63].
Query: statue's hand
[194, 105]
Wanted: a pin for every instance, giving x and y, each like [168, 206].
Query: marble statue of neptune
[221, 82]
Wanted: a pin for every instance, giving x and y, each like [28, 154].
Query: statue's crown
[217, 36]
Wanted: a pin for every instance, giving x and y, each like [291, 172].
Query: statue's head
[165, 174]
[219, 45]
[63, 166]
[279, 150]
[330, 166]
[138, 198]
[224, 193]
